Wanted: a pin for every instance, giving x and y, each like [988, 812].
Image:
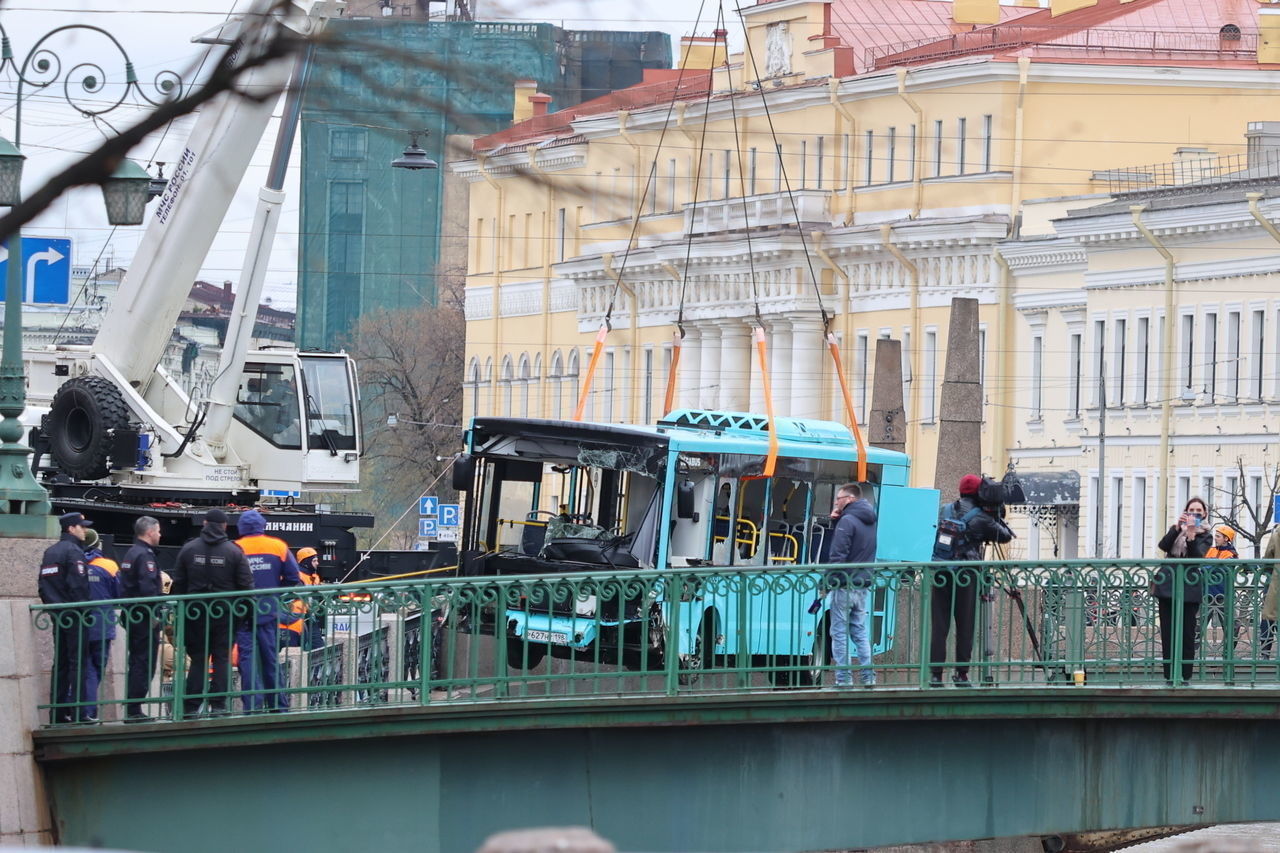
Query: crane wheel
[84, 412]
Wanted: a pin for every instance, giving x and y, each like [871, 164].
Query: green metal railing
[660, 633]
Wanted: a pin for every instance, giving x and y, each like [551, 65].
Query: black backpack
[954, 539]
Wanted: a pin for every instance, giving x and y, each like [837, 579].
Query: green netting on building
[370, 235]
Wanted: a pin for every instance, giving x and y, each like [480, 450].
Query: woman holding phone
[1189, 538]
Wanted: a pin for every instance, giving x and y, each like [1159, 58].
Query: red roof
[889, 33]
[660, 86]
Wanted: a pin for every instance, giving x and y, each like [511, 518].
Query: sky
[157, 34]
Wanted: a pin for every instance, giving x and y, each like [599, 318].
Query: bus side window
[750, 526]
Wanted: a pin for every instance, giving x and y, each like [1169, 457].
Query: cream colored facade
[907, 184]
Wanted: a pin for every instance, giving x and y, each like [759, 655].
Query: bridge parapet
[676, 633]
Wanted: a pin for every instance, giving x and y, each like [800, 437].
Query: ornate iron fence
[695, 630]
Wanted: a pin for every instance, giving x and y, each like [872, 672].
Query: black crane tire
[84, 412]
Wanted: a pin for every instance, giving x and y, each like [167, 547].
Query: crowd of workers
[217, 633]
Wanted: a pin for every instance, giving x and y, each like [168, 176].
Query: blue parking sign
[427, 527]
[449, 515]
[46, 270]
[428, 505]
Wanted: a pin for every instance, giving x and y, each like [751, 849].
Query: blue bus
[550, 496]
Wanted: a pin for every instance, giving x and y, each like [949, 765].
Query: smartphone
[1198, 518]
[815, 607]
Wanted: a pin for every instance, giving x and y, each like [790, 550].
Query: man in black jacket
[210, 563]
[64, 579]
[140, 578]
[955, 589]
[853, 540]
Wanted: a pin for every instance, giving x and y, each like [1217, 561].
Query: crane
[273, 421]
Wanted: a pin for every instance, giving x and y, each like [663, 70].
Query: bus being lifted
[550, 497]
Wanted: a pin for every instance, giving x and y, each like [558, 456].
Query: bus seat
[534, 533]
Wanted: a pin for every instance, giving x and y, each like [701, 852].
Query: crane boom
[138, 323]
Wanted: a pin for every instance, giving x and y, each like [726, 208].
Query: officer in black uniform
[64, 579]
[210, 563]
[140, 578]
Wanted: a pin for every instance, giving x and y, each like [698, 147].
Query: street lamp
[24, 504]
[414, 157]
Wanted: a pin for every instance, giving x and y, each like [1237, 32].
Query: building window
[962, 142]
[862, 349]
[526, 382]
[1138, 530]
[508, 380]
[606, 385]
[348, 143]
[561, 234]
[937, 148]
[986, 143]
[1037, 377]
[1255, 365]
[1233, 356]
[906, 375]
[571, 378]
[982, 353]
[1117, 513]
[1184, 492]
[1211, 354]
[751, 173]
[868, 156]
[648, 385]
[728, 163]
[1099, 344]
[821, 167]
[804, 162]
[777, 168]
[473, 379]
[930, 378]
[344, 254]
[1188, 350]
[892, 159]
[1077, 345]
[555, 376]
[1208, 491]
[1144, 360]
[1119, 361]
[848, 161]
[911, 154]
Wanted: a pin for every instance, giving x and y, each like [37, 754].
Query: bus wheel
[703, 655]
[811, 675]
[516, 654]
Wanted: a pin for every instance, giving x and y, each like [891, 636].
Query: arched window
[508, 377]
[524, 385]
[473, 382]
[1229, 32]
[556, 377]
[490, 405]
[571, 380]
[536, 383]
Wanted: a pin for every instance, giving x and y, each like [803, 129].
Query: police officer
[140, 578]
[64, 579]
[209, 563]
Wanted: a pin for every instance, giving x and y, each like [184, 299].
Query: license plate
[546, 637]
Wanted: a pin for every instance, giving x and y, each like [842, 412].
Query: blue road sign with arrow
[46, 274]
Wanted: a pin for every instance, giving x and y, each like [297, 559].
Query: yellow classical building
[868, 161]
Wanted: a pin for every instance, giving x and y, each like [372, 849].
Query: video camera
[993, 493]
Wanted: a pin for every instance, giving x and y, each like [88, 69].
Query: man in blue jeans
[853, 540]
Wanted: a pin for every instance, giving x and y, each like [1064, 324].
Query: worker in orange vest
[100, 622]
[307, 630]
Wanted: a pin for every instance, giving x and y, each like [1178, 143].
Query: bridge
[434, 711]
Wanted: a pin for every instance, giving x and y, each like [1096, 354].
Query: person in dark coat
[100, 624]
[955, 589]
[64, 579]
[210, 563]
[853, 540]
[1189, 538]
[140, 577]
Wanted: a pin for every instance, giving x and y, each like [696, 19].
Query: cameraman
[964, 527]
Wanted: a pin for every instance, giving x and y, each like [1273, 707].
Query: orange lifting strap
[677, 338]
[848, 407]
[591, 371]
[771, 460]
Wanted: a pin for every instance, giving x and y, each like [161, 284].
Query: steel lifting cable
[700, 156]
[607, 323]
[762, 346]
[832, 345]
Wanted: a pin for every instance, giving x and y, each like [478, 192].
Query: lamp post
[24, 504]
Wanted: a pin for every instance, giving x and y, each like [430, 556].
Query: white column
[689, 371]
[780, 366]
[735, 365]
[806, 368]
[708, 380]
